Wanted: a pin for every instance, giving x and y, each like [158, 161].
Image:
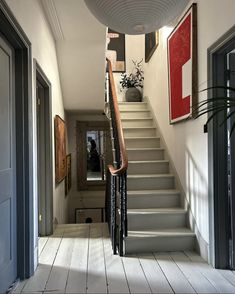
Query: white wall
[82, 70]
[30, 16]
[187, 144]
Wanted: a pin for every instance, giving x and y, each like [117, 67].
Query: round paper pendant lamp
[136, 17]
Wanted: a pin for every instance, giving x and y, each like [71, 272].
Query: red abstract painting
[182, 67]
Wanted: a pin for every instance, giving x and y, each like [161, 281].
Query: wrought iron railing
[116, 179]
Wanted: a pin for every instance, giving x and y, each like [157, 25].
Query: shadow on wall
[197, 198]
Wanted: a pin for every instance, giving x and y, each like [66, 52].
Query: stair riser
[145, 155]
[159, 244]
[148, 201]
[156, 221]
[150, 183]
[142, 143]
[135, 114]
[148, 168]
[134, 106]
[137, 123]
[151, 132]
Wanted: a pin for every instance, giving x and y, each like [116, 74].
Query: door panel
[5, 229]
[4, 111]
[8, 263]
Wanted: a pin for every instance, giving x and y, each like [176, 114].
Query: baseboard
[201, 246]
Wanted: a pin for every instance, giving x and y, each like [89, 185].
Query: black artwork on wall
[151, 43]
[116, 50]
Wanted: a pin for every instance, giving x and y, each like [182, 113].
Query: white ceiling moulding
[53, 19]
[135, 17]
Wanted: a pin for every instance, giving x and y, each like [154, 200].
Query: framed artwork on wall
[60, 149]
[182, 67]
[116, 50]
[151, 43]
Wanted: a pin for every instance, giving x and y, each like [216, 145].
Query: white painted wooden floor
[79, 259]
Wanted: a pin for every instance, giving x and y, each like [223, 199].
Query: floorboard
[47, 257]
[195, 278]
[116, 277]
[96, 273]
[215, 278]
[156, 279]
[174, 275]
[78, 258]
[77, 278]
[18, 288]
[41, 244]
[228, 275]
[59, 273]
[135, 276]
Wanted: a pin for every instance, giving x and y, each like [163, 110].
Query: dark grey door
[41, 151]
[8, 256]
[44, 152]
[231, 159]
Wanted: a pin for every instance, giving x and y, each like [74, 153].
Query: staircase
[156, 221]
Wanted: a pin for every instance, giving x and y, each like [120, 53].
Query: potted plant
[133, 82]
[215, 105]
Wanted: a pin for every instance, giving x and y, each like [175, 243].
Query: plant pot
[133, 95]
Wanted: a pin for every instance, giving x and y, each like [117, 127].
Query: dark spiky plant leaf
[213, 106]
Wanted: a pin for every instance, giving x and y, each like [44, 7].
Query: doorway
[44, 153]
[222, 155]
[16, 159]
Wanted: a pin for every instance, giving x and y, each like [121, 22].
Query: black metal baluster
[114, 214]
[108, 198]
[121, 216]
[125, 203]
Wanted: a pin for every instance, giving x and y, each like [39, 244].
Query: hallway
[78, 259]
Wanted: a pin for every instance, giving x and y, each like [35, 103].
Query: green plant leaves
[215, 105]
[135, 78]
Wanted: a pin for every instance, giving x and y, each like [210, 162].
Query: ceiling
[80, 42]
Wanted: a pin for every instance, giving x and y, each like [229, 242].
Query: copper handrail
[123, 152]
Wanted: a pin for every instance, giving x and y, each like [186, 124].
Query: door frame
[218, 210]
[40, 76]
[13, 33]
